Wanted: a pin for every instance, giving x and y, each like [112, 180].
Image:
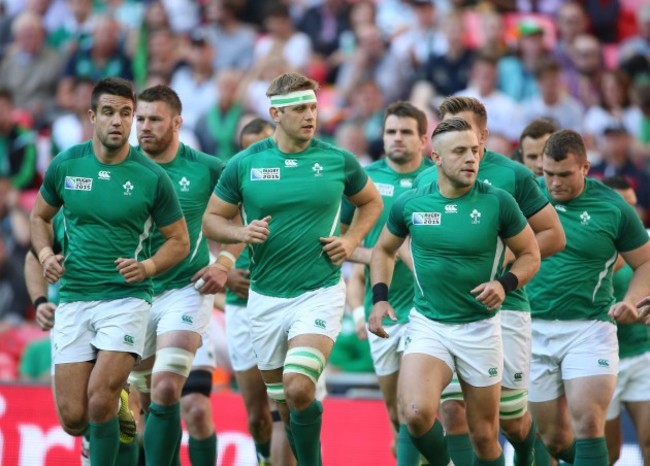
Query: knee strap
[198, 381]
[275, 391]
[176, 360]
[306, 361]
[141, 380]
[513, 404]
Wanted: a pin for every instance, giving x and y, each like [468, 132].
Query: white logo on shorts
[426, 218]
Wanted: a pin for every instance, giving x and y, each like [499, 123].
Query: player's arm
[382, 265]
[218, 224]
[356, 291]
[369, 205]
[548, 231]
[43, 238]
[526, 264]
[37, 289]
[639, 259]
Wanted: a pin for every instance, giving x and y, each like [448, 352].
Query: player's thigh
[386, 353]
[388, 387]
[269, 329]
[478, 352]
[239, 338]
[517, 336]
[73, 333]
[120, 325]
[253, 391]
[639, 411]
[546, 383]
[70, 386]
[553, 422]
[588, 398]
[614, 438]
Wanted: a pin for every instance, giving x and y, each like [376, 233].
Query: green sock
[542, 456]
[176, 458]
[460, 449]
[127, 455]
[591, 452]
[290, 441]
[568, 455]
[104, 442]
[433, 445]
[263, 450]
[203, 452]
[407, 453]
[500, 461]
[305, 427]
[161, 433]
[525, 449]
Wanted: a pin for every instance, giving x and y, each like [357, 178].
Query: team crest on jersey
[264, 174]
[128, 187]
[318, 168]
[476, 217]
[426, 218]
[585, 218]
[185, 184]
[406, 183]
[76, 183]
[385, 189]
[451, 209]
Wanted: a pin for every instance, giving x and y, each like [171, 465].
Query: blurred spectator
[17, 148]
[74, 126]
[183, 14]
[76, 30]
[639, 44]
[104, 58]
[257, 81]
[282, 36]
[233, 40]
[642, 146]
[194, 83]
[422, 39]
[603, 18]
[392, 18]
[531, 143]
[127, 13]
[139, 42]
[553, 102]
[14, 300]
[350, 354]
[500, 143]
[616, 107]
[504, 114]
[324, 25]
[616, 150]
[571, 22]
[350, 136]
[493, 32]
[583, 77]
[517, 72]
[36, 361]
[163, 55]
[29, 70]
[546, 7]
[216, 129]
[367, 109]
[14, 221]
[449, 72]
[372, 60]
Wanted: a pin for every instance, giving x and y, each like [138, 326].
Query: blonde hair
[290, 82]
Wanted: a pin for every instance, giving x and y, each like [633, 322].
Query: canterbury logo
[319, 323]
[187, 319]
[128, 339]
[493, 372]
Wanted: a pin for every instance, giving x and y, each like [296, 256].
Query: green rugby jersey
[109, 212]
[633, 339]
[456, 244]
[243, 262]
[498, 170]
[576, 284]
[302, 193]
[391, 185]
[194, 175]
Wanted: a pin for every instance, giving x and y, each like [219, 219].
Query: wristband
[44, 254]
[227, 255]
[509, 281]
[40, 300]
[379, 293]
[358, 314]
[149, 267]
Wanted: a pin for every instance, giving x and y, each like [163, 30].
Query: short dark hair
[538, 128]
[277, 10]
[459, 103]
[547, 65]
[485, 56]
[617, 182]
[112, 86]
[165, 94]
[449, 126]
[255, 126]
[5, 94]
[565, 142]
[403, 109]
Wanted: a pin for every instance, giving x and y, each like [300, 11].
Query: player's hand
[256, 232]
[644, 310]
[491, 294]
[210, 279]
[361, 330]
[45, 315]
[624, 312]
[132, 270]
[379, 311]
[238, 282]
[53, 268]
[338, 248]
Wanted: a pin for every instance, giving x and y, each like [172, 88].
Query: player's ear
[178, 122]
[275, 114]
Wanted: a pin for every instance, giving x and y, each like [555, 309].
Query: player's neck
[407, 167]
[289, 145]
[166, 156]
[451, 190]
[108, 156]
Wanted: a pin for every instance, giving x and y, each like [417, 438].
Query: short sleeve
[355, 177]
[511, 219]
[528, 194]
[631, 232]
[166, 207]
[228, 187]
[49, 187]
[396, 223]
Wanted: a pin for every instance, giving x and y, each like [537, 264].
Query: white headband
[293, 98]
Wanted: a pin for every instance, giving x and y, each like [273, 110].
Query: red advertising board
[355, 432]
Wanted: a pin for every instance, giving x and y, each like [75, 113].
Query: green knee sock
[127, 455]
[500, 461]
[433, 445]
[460, 449]
[568, 455]
[305, 427]
[176, 458]
[104, 442]
[591, 452]
[161, 433]
[407, 452]
[263, 450]
[542, 456]
[525, 449]
[291, 441]
[203, 452]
